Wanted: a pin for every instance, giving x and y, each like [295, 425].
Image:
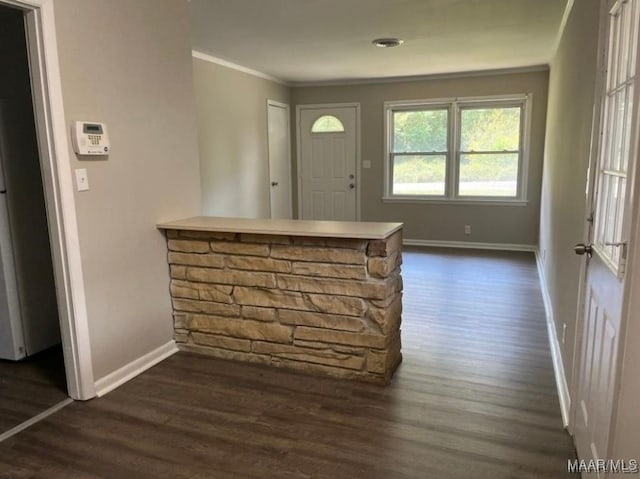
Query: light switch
[82, 180]
[366, 164]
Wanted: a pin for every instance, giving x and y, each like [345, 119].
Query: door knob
[583, 249]
[352, 185]
[274, 183]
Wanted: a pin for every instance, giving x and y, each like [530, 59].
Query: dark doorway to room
[32, 374]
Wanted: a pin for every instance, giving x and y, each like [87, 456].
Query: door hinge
[590, 218]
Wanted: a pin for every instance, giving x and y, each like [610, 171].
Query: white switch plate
[82, 180]
[366, 164]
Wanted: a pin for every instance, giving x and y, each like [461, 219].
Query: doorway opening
[39, 35]
[32, 371]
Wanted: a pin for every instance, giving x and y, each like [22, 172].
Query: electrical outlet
[564, 332]
[467, 229]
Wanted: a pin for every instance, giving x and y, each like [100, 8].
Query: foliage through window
[419, 157]
[456, 150]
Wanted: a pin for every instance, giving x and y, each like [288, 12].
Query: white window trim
[451, 186]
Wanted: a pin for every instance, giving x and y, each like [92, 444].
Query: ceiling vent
[387, 42]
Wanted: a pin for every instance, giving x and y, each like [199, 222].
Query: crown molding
[415, 78]
[234, 66]
[563, 23]
[368, 81]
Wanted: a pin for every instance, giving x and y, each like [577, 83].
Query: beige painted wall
[562, 218]
[128, 63]
[490, 224]
[232, 131]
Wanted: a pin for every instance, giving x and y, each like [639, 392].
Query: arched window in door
[327, 124]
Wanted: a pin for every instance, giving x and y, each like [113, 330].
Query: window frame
[391, 154]
[455, 107]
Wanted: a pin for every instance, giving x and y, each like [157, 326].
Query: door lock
[582, 249]
[274, 183]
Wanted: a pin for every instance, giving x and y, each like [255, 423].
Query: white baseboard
[131, 370]
[554, 345]
[470, 245]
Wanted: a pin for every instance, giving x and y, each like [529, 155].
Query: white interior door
[603, 289]
[279, 160]
[327, 163]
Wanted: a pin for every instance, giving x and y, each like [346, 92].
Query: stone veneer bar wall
[325, 305]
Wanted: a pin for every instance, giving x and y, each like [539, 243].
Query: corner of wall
[129, 371]
[231, 106]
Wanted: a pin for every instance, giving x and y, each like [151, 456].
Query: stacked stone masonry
[323, 305]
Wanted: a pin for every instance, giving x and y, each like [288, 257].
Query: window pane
[488, 175]
[490, 129]
[419, 175]
[420, 131]
[327, 124]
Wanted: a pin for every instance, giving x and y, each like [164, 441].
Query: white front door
[327, 163]
[603, 287]
[279, 160]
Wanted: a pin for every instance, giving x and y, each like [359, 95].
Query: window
[327, 124]
[457, 150]
[419, 152]
[617, 138]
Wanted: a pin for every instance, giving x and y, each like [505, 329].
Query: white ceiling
[330, 40]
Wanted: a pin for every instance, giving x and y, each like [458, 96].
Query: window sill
[451, 201]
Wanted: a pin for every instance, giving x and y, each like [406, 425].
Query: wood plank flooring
[474, 398]
[31, 386]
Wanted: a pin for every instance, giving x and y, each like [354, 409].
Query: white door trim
[56, 168]
[288, 109]
[299, 109]
[278, 103]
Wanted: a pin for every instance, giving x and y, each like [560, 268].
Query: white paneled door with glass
[327, 164]
[602, 321]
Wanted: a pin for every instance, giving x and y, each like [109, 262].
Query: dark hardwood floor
[474, 398]
[31, 386]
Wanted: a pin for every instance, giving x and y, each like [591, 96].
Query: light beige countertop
[326, 229]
